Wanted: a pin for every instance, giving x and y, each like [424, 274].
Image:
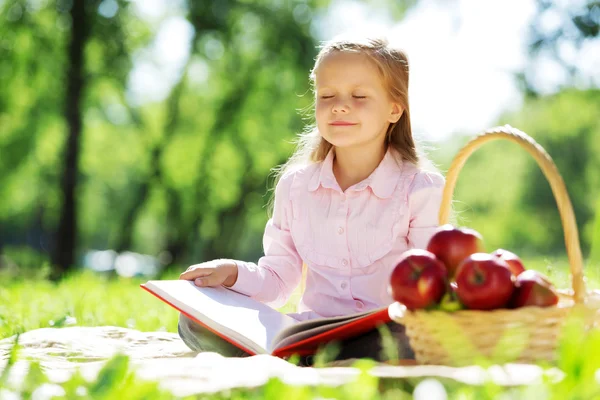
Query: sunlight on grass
[94, 300]
[90, 299]
[87, 299]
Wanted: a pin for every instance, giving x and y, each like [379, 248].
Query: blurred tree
[32, 48]
[100, 33]
[563, 113]
[567, 126]
[49, 66]
[268, 52]
[286, 45]
[517, 208]
[87, 162]
[293, 51]
[562, 37]
[66, 237]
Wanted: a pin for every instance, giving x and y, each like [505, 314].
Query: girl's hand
[212, 273]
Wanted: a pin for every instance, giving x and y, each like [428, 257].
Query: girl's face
[353, 107]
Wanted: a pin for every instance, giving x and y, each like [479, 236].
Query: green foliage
[580, 367]
[30, 107]
[573, 144]
[502, 192]
[160, 175]
[595, 248]
[189, 172]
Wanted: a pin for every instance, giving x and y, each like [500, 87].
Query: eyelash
[356, 97]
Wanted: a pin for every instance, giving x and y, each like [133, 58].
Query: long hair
[392, 64]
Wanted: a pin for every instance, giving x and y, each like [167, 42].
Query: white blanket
[163, 357]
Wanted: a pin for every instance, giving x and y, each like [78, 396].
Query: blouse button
[340, 230]
[344, 285]
[359, 305]
[344, 262]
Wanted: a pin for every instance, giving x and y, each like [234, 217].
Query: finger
[196, 273]
[196, 266]
[190, 268]
[208, 281]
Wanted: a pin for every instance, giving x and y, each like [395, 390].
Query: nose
[339, 108]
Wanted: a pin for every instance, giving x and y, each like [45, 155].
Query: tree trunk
[63, 258]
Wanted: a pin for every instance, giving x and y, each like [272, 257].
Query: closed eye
[356, 97]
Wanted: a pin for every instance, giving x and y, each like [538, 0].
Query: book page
[310, 334]
[316, 325]
[238, 317]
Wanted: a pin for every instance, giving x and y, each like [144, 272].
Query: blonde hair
[392, 64]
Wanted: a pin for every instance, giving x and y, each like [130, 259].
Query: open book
[255, 327]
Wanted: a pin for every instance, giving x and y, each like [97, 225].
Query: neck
[353, 165]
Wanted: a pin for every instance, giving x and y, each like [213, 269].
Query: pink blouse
[350, 240]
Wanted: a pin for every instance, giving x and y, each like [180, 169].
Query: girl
[347, 204]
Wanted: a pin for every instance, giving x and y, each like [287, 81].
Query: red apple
[484, 282]
[533, 288]
[452, 245]
[419, 280]
[514, 262]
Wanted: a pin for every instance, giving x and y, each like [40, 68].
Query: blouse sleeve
[425, 198]
[279, 271]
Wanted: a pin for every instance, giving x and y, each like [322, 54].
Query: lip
[342, 123]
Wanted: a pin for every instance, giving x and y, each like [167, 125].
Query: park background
[143, 134]
[138, 137]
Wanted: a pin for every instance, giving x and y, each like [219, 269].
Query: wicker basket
[528, 334]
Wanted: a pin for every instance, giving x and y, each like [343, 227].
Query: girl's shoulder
[302, 171]
[297, 178]
[414, 176]
[421, 178]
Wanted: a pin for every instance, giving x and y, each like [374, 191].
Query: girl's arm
[425, 198]
[279, 271]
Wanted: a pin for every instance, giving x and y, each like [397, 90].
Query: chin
[341, 143]
[347, 142]
[339, 139]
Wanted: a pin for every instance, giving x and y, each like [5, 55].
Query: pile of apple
[455, 272]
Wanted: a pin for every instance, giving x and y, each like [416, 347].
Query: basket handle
[552, 175]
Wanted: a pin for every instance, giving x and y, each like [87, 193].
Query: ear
[395, 113]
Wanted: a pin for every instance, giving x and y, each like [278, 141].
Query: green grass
[87, 299]
[91, 299]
